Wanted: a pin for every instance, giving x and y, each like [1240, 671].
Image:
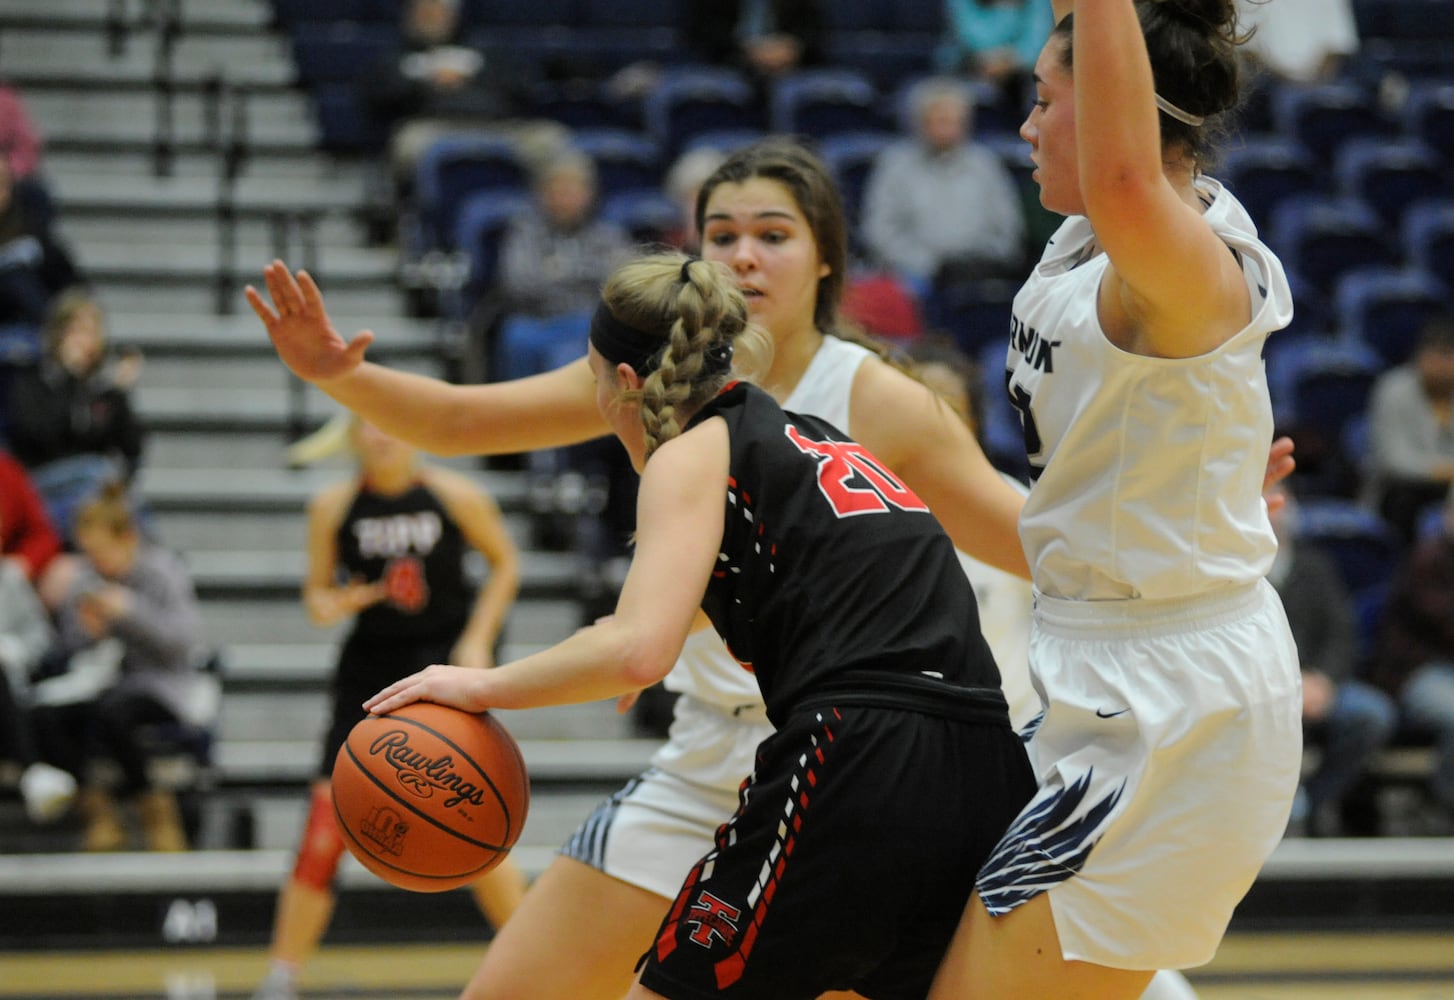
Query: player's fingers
[286, 294]
[312, 297]
[259, 305]
[358, 345]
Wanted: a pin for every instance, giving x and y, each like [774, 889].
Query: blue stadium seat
[1319, 382]
[726, 140]
[456, 166]
[1386, 308]
[339, 52]
[822, 102]
[849, 157]
[631, 13]
[1002, 434]
[479, 225]
[290, 13]
[975, 312]
[1428, 239]
[1390, 174]
[1323, 116]
[580, 104]
[1264, 170]
[648, 215]
[1323, 238]
[692, 99]
[857, 15]
[888, 57]
[1429, 115]
[528, 13]
[625, 160]
[1364, 547]
[344, 122]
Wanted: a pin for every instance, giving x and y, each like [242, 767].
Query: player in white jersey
[1169, 752]
[772, 215]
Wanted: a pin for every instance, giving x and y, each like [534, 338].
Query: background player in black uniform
[387, 547]
[893, 768]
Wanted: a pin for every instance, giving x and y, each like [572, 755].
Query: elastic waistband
[1148, 616]
[911, 693]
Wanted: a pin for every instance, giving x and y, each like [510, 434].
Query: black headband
[618, 342]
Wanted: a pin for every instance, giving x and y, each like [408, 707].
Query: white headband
[1177, 113]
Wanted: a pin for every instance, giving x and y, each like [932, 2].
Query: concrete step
[239, 490]
[203, 334]
[208, 531]
[175, 262]
[183, 451]
[274, 667]
[227, 17]
[383, 302]
[62, 164]
[251, 721]
[75, 117]
[279, 572]
[279, 619]
[105, 192]
[257, 373]
[224, 410]
[254, 235]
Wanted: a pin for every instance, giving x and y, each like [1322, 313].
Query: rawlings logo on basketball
[404, 583]
[713, 920]
[424, 775]
[386, 828]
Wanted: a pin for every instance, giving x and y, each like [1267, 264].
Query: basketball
[429, 798]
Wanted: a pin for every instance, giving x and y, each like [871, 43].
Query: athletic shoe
[48, 792]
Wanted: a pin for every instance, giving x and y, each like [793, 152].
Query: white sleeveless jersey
[705, 669]
[1149, 470]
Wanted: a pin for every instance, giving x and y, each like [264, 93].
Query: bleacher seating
[823, 102]
[1387, 308]
[1323, 238]
[1389, 175]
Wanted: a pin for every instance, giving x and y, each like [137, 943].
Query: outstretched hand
[299, 328]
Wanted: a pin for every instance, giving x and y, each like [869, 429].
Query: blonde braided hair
[698, 309]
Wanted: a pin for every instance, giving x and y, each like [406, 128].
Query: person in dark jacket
[70, 421]
[1415, 660]
[1349, 719]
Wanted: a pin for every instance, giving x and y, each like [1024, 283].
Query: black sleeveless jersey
[832, 572]
[413, 545]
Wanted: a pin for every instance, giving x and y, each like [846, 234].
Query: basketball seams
[384, 787]
[401, 754]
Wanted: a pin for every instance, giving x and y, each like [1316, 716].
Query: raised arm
[547, 410]
[1175, 290]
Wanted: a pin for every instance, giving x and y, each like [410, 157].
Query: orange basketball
[429, 798]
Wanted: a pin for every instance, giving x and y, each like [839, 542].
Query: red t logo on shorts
[712, 919]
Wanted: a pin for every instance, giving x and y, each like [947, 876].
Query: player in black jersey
[893, 768]
[387, 548]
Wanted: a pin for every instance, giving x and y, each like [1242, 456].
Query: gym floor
[1383, 966]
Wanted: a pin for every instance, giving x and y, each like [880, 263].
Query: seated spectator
[938, 201]
[1410, 458]
[437, 82]
[1304, 41]
[1415, 659]
[131, 617]
[25, 636]
[997, 41]
[34, 265]
[70, 421]
[553, 260]
[766, 39]
[1347, 718]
